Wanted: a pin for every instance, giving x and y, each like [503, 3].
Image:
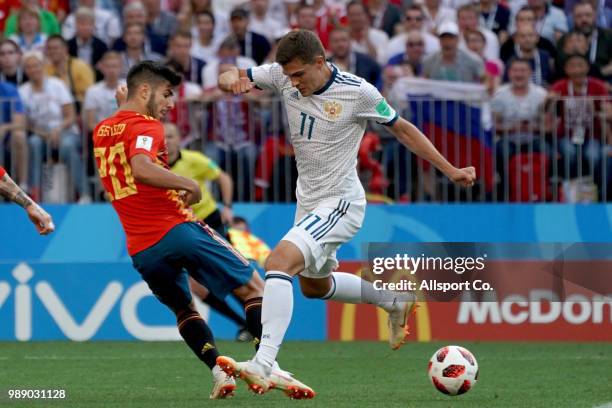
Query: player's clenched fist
[41, 219]
[230, 81]
[192, 194]
[465, 176]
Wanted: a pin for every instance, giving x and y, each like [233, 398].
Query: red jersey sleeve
[146, 137]
[2, 171]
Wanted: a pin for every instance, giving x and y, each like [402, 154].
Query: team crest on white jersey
[332, 110]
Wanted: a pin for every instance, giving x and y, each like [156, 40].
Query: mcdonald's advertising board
[536, 316]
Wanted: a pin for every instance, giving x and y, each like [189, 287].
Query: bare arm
[226, 185]
[235, 80]
[69, 115]
[147, 172]
[411, 137]
[12, 192]
[39, 217]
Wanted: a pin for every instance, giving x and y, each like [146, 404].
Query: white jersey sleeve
[373, 106]
[268, 76]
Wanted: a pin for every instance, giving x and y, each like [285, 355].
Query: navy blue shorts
[194, 249]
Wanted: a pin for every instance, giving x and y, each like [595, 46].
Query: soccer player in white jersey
[328, 111]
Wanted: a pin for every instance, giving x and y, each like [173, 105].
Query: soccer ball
[453, 370]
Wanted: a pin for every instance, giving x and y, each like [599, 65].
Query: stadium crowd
[546, 68]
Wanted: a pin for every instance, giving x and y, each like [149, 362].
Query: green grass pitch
[357, 374]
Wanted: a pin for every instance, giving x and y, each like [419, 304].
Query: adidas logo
[207, 347]
[295, 95]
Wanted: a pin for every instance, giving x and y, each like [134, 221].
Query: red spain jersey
[146, 212]
[2, 171]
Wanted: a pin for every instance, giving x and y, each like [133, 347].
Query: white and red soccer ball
[453, 370]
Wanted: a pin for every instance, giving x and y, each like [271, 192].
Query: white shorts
[320, 232]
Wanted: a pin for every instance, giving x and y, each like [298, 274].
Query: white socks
[349, 288]
[276, 312]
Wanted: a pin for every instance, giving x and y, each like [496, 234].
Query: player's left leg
[319, 281]
[349, 288]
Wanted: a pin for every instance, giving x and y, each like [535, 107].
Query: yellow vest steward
[249, 245]
[200, 168]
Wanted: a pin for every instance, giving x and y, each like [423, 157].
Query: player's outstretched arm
[410, 136]
[236, 81]
[147, 172]
[39, 217]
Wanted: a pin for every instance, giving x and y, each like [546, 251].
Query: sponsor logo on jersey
[332, 110]
[295, 95]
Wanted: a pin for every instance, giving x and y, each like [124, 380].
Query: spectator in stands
[205, 44]
[107, 24]
[328, 15]
[495, 16]
[232, 140]
[306, 19]
[525, 16]
[411, 60]
[599, 39]
[100, 101]
[51, 122]
[467, 19]
[603, 11]
[85, 45]
[580, 120]
[252, 45]
[10, 63]
[452, 63]
[47, 22]
[526, 39]
[277, 37]
[76, 73]
[135, 48]
[160, 22]
[261, 21]
[365, 39]
[574, 42]
[517, 109]
[413, 21]
[384, 15]
[436, 14]
[135, 13]
[228, 50]
[494, 68]
[191, 8]
[28, 35]
[179, 50]
[12, 132]
[343, 56]
[551, 22]
[184, 112]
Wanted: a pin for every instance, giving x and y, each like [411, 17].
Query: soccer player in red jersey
[163, 238]
[39, 217]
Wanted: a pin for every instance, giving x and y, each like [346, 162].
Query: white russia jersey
[326, 130]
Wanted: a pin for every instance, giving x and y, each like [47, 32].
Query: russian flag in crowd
[457, 119]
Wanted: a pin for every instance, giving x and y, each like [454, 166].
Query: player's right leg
[168, 282]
